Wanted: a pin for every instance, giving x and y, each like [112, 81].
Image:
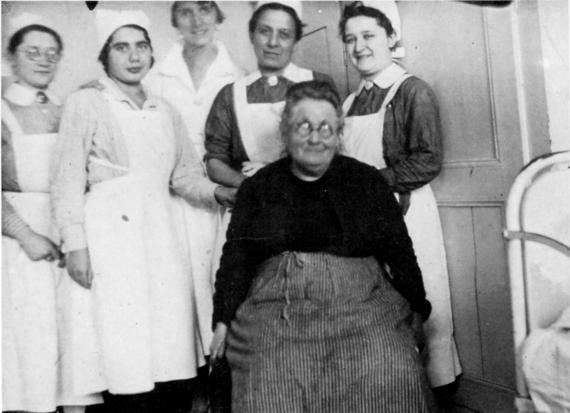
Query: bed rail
[519, 236]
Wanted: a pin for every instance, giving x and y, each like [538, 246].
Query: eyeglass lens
[305, 129]
[35, 53]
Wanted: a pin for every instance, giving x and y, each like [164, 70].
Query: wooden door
[471, 55]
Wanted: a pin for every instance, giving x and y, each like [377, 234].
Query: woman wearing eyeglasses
[32, 355]
[307, 317]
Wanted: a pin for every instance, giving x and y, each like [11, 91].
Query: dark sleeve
[397, 251]
[12, 223]
[422, 132]
[221, 130]
[234, 277]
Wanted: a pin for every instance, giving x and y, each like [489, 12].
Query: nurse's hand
[37, 247]
[218, 345]
[79, 267]
[225, 196]
[249, 168]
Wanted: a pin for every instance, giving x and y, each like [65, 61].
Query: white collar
[174, 64]
[26, 96]
[114, 92]
[386, 77]
[291, 72]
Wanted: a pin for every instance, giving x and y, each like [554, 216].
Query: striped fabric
[322, 333]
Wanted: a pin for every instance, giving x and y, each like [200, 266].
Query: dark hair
[310, 89]
[357, 8]
[220, 16]
[277, 6]
[104, 54]
[18, 37]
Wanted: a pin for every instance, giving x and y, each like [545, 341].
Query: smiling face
[313, 138]
[197, 22]
[130, 56]
[368, 45]
[273, 40]
[35, 60]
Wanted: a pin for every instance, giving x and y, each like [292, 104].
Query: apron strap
[10, 120]
[240, 108]
[348, 103]
[393, 89]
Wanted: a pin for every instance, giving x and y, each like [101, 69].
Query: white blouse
[171, 80]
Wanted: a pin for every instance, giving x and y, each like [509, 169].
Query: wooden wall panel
[493, 292]
[457, 67]
[457, 224]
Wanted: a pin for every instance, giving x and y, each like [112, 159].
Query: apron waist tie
[289, 259]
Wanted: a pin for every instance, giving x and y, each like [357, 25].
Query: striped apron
[323, 333]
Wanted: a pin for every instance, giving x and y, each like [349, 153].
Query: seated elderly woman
[303, 309]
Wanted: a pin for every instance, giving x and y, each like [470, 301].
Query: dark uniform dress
[392, 123]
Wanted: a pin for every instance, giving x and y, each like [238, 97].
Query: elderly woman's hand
[79, 267]
[225, 196]
[250, 168]
[218, 345]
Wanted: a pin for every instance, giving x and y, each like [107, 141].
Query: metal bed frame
[519, 236]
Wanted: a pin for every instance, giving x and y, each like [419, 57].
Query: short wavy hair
[358, 8]
[311, 89]
[18, 37]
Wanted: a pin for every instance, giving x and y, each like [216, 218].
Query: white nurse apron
[361, 141]
[142, 283]
[35, 358]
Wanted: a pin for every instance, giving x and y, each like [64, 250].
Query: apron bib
[361, 141]
[258, 124]
[141, 286]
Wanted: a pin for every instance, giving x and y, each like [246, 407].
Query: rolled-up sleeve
[188, 178]
[69, 169]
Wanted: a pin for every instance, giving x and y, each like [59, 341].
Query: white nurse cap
[390, 9]
[24, 19]
[295, 5]
[107, 21]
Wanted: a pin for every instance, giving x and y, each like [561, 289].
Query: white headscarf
[22, 20]
[107, 21]
[390, 9]
[295, 5]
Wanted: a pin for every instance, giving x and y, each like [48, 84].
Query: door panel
[321, 48]
[466, 53]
